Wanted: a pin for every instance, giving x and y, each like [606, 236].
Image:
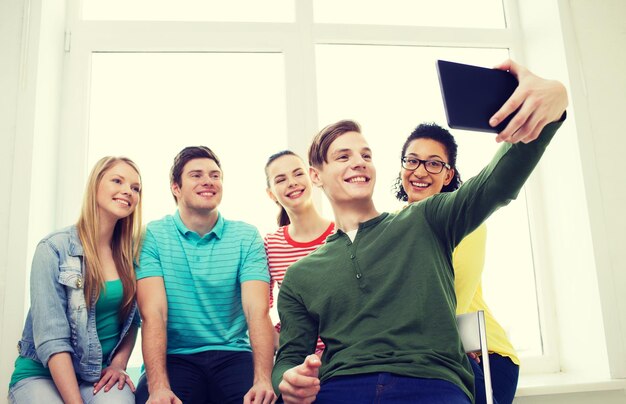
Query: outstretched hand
[301, 383]
[540, 102]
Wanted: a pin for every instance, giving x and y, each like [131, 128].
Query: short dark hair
[431, 130]
[322, 141]
[184, 156]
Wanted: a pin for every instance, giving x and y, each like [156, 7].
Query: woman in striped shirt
[301, 228]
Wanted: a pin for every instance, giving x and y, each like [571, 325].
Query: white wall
[599, 44]
[590, 38]
[10, 35]
[30, 99]
[11, 13]
[563, 270]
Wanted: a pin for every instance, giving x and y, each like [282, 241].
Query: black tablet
[472, 94]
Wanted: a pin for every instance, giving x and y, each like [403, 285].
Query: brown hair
[184, 156]
[322, 141]
[125, 242]
[283, 217]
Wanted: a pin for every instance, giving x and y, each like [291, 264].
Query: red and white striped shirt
[282, 251]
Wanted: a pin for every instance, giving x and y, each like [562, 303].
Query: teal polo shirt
[203, 277]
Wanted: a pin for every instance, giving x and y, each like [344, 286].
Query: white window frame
[296, 41]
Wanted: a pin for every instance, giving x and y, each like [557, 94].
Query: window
[446, 13]
[148, 106]
[249, 93]
[189, 10]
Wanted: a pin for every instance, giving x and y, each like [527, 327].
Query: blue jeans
[504, 375]
[206, 377]
[387, 388]
[39, 389]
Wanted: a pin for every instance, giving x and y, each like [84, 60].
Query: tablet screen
[472, 94]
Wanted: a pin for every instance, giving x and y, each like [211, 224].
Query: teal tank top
[108, 326]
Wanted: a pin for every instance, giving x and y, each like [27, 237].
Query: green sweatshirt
[386, 302]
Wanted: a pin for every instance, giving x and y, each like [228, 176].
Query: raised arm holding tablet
[488, 100]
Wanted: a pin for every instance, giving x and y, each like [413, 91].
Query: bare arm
[256, 308]
[126, 348]
[64, 377]
[152, 303]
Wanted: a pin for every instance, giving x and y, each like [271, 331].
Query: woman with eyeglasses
[301, 228]
[428, 168]
[82, 323]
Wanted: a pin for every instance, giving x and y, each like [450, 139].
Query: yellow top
[468, 260]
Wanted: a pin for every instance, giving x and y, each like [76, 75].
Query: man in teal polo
[202, 292]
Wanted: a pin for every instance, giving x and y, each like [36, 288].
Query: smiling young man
[388, 316]
[202, 292]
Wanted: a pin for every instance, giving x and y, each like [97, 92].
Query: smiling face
[118, 192]
[289, 182]
[420, 184]
[348, 175]
[200, 187]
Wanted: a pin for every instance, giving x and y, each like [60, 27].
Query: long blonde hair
[125, 242]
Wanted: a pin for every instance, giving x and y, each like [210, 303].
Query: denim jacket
[58, 319]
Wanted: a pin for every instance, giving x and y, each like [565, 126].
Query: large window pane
[189, 10]
[148, 106]
[392, 89]
[442, 13]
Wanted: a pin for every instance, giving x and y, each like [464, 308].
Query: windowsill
[564, 383]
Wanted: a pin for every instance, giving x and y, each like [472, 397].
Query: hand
[261, 392]
[300, 384]
[163, 396]
[540, 102]
[474, 356]
[111, 375]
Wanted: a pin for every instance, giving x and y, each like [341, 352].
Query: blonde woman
[82, 322]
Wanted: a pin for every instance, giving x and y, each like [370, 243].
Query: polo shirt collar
[217, 231]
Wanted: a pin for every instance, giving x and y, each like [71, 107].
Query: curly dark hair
[435, 132]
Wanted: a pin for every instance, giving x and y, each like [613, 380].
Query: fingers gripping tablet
[472, 94]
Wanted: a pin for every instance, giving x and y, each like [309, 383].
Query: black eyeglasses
[432, 166]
